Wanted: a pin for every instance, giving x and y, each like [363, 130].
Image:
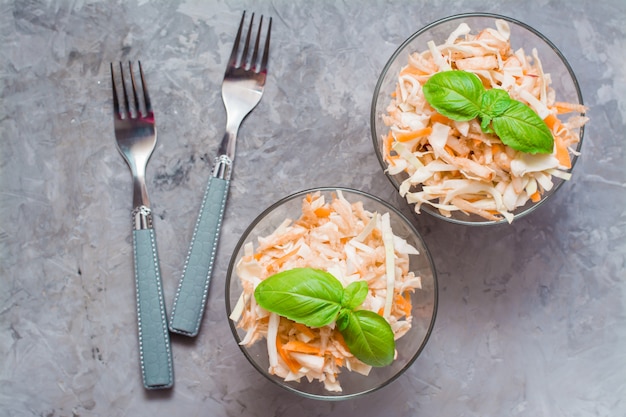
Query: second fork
[136, 137]
[242, 88]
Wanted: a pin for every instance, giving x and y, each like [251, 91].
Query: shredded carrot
[404, 303]
[440, 118]
[552, 121]
[388, 142]
[412, 70]
[496, 149]
[293, 365]
[414, 134]
[323, 211]
[278, 262]
[562, 107]
[562, 154]
[535, 197]
[339, 338]
[301, 347]
[305, 330]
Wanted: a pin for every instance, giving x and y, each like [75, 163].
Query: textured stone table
[532, 318]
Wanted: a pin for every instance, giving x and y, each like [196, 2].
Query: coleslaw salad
[455, 166]
[352, 244]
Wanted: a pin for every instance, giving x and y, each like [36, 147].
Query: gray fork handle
[193, 287]
[154, 341]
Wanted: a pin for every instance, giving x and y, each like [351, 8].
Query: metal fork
[136, 136]
[242, 88]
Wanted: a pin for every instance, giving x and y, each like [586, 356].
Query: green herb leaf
[368, 336]
[316, 298]
[354, 294]
[305, 295]
[522, 129]
[494, 103]
[461, 96]
[455, 94]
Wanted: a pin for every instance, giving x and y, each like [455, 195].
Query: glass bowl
[424, 300]
[523, 36]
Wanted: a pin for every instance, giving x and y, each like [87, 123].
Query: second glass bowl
[424, 300]
[564, 83]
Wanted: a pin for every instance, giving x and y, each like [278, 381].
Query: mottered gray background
[531, 318]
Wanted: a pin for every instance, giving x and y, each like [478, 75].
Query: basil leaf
[316, 298]
[455, 94]
[305, 295]
[368, 336]
[522, 129]
[494, 103]
[354, 294]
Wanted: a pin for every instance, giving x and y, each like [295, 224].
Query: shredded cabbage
[457, 166]
[352, 244]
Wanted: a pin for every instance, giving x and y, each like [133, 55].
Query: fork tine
[116, 103]
[232, 61]
[244, 56]
[144, 86]
[267, 47]
[255, 54]
[137, 108]
[126, 101]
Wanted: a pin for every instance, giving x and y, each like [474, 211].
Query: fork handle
[154, 342]
[193, 287]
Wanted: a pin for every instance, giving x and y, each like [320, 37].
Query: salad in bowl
[331, 293]
[477, 119]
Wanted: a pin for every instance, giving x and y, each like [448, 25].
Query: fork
[242, 88]
[136, 137]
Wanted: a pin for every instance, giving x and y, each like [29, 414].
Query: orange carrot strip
[496, 149]
[387, 144]
[411, 70]
[404, 303]
[552, 121]
[535, 197]
[562, 107]
[414, 134]
[306, 330]
[323, 211]
[292, 364]
[339, 338]
[440, 118]
[278, 262]
[301, 347]
[562, 154]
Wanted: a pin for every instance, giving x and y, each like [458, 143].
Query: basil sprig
[461, 96]
[316, 298]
